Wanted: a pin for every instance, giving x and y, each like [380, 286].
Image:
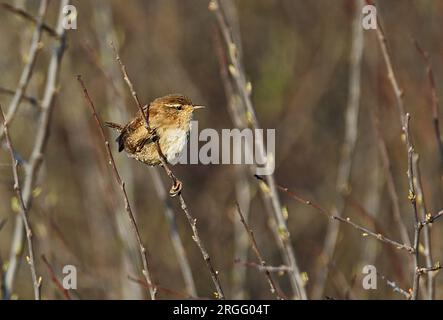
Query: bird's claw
[176, 188]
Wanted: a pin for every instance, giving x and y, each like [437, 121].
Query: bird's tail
[119, 139]
[114, 126]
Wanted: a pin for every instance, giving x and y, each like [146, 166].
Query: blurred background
[297, 56]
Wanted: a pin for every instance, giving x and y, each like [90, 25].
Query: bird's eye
[179, 107]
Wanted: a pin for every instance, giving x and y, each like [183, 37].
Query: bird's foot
[176, 188]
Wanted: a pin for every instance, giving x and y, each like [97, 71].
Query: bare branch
[175, 237]
[426, 226]
[395, 287]
[435, 104]
[144, 114]
[36, 281]
[180, 295]
[431, 219]
[176, 191]
[236, 70]
[390, 181]
[142, 249]
[55, 279]
[26, 75]
[261, 268]
[258, 254]
[365, 231]
[398, 91]
[33, 101]
[41, 138]
[412, 196]
[22, 13]
[431, 269]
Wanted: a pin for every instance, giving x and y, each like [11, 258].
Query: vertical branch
[243, 193]
[398, 91]
[258, 254]
[175, 237]
[176, 190]
[271, 197]
[26, 75]
[177, 185]
[412, 196]
[39, 146]
[393, 194]
[142, 249]
[104, 60]
[436, 122]
[434, 97]
[404, 120]
[351, 132]
[427, 228]
[23, 211]
[193, 223]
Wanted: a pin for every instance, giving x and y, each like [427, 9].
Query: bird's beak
[199, 107]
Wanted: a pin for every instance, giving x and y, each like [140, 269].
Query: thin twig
[142, 249]
[168, 291]
[398, 91]
[435, 103]
[176, 190]
[436, 122]
[395, 287]
[242, 189]
[26, 75]
[103, 59]
[193, 223]
[412, 196]
[365, 231]
[33, 101]
[41, 138]
[426, 228]
[393, 194]
[144, 114]
[261, 268]
[258, 254]
[26, 15]
[36, 281]
[271, 197]
[404, 121]
[54, 279]
[431, 269]
[431, 219]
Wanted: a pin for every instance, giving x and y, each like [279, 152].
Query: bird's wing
[134, 136]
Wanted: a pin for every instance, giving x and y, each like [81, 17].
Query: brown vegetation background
[296, 54]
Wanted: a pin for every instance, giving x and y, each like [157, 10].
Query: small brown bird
[170, 122]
